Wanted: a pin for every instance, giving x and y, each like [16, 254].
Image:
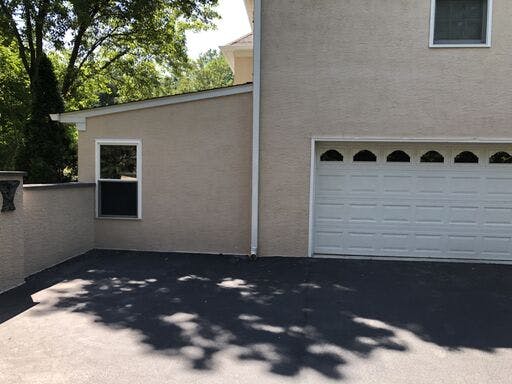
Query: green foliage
[14, 99]
[103, 52]
[49, 153]
[209, 71]
[88, 37]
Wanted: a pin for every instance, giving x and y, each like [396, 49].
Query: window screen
[118, 183]
[460, 22]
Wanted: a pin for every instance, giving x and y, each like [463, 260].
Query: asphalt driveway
[131, 317]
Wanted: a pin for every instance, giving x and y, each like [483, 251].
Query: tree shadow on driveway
[290, 314]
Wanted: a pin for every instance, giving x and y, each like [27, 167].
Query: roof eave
[80, 117]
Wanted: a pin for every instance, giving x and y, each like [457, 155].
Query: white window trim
[488, 39]
[138, 144]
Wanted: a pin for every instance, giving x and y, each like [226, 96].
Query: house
[371, 129]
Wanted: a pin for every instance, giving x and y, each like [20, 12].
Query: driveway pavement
[129, 317]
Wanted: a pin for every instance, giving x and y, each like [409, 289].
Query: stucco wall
[59, 224]
[196, 171]
[243, 70]
[363, 68]
[11, 239]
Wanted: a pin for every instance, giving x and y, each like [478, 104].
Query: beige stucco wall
[196, 175]
[59, 224]
[11, 239]
[364, 68]
[243, 70]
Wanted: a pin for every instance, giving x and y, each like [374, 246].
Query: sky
[233, 24]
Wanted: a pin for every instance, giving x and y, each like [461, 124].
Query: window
[118, 172]
[461, 23]
[466, 157]
[432, 157]
[365, 155]
[331, 155]
[398, 157]
[501, 158]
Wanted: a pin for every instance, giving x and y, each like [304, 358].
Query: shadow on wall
[291, 314]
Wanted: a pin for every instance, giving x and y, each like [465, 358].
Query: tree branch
[30, 32]
[109, 63]
[70, 74]
[114, 59]
[70, 70]
[97, 43]
[41, 17]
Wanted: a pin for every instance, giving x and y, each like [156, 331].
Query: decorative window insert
[461, 23]
[331, 155]
[501, 158]
[398, 157]
[118, 179]
[432, 157]
[365, 156]
[466, 157]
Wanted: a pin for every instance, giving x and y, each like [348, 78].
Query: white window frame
[488, 39]
[134, 142]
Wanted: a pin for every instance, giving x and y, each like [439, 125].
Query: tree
[209, 71]
[48, 152]
[102, 30]
[94, 35]
[14, 98]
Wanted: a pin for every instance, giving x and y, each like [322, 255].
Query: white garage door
[412, 200]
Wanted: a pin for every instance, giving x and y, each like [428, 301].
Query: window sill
[118, 218]
[432, 45]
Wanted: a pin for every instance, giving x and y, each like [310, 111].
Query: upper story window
[461, 23]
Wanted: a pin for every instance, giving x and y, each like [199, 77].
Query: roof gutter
[256, 130]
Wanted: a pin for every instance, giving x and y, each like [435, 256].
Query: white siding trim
[138, 144]
[312, 177]
[483, 140]
[255, 185]
[488, 38]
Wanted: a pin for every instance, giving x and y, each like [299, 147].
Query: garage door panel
[430, 185]
[464, 186]
[395, 243]
[464, 215]
[363, 213]
[430, 214]
[397, 184]
[499, 187]
[496, 247]
[330, 212]
[497, 216]
[396, 213]
[445, 210]
[461, 244]
[363, 242]
[363, 183]
[330, 183]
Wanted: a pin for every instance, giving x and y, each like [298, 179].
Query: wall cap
[13, 173]
[59, 186]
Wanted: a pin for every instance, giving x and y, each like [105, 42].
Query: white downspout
[256, 129]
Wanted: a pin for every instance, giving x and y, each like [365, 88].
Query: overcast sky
[234, 24]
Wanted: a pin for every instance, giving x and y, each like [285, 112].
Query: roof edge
[79, 117]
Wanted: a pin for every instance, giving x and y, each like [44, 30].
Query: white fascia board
[230, 52]
[468, 140]
[229, 55]
[249, 8]
[79, 117]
